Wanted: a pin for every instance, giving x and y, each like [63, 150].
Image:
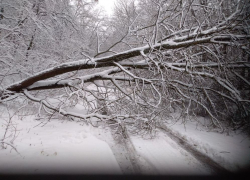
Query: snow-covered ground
[230, 149]
[74, 147]
[67, 147]
[164, 156]
[58, 147]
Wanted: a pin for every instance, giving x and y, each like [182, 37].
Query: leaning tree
[151, 58]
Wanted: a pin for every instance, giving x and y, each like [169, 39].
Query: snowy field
[230, 149]
[66, 147]
[58, 147]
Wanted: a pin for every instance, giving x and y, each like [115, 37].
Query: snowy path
[164, 156]
[230, 150]
[58, 148]
[63, 147]
[201, 157]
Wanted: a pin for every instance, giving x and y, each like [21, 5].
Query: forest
[129, 70]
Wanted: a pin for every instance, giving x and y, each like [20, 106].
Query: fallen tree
[195, 65]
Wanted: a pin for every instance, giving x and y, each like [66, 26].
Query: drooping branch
[195, 38]
[104, 75]
[98, 62]
[52, 84]
[185, 62]
[106, 61]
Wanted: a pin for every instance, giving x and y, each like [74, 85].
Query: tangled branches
[182, 62]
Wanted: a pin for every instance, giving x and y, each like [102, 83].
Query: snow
[231, 150]
[107, 5]
[60, 146]
[166, 157]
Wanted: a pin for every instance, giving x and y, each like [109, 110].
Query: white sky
[107, 5]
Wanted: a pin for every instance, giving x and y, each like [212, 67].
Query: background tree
[156, 57]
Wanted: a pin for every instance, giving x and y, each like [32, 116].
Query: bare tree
[187, 55]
